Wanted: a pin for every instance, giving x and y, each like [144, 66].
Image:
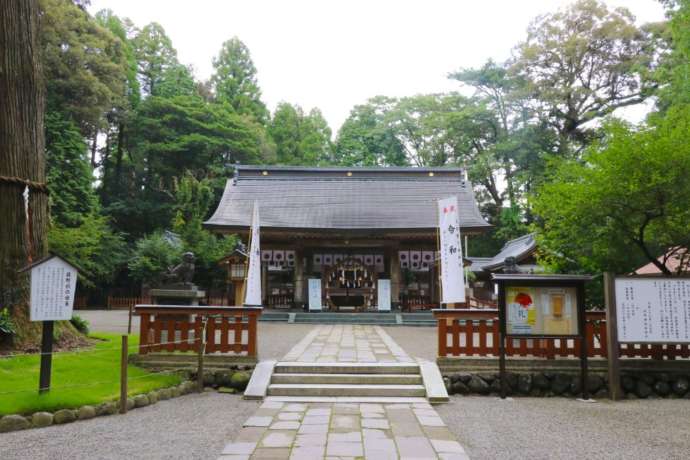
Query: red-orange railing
[466, 332]
[179, 328]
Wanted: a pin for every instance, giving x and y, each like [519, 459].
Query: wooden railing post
[144, 333]
[251, 336]
[123, 375]
[442, 337]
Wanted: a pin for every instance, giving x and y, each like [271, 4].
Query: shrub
[7, 326]
[80, 323]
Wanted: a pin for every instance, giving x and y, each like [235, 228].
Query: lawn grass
[89, 376]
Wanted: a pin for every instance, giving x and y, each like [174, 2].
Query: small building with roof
[517, 256]
[348, 227]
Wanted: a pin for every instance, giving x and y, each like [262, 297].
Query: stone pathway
[347, 343]
[283, 429]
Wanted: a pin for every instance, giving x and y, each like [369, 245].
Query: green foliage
[68, 172]
[582, 63]
[155, 56]
[300, 139]
[99, 252]
[625, 204]
[674, 72]
[366, 140]
[192, 203]
[80, 324]
[7, 326]
[152, 257]
[234, 80]
[84, 65]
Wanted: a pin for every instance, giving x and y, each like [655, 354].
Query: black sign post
[541, 281]
[46, 357]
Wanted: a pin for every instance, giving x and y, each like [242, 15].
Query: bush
[80, 323]
[7, 326]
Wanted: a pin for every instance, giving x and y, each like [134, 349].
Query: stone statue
[182, 273]
[510, 265]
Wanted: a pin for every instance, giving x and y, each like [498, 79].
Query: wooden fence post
[612, 346]
[200, 358]
[123, 375]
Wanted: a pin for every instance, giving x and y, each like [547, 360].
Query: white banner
[452, 274]
[253, 289]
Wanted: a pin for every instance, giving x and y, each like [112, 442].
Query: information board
[315, 294]
[653, 309]
[383, 293]
[541, 311]
[53, 283]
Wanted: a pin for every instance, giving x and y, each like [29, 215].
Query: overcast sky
[334, 54]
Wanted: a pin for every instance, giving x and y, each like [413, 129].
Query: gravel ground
[549, 428]
[195, 426]
[275, 339]
[418, 342]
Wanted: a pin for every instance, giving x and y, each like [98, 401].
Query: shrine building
[348, 227]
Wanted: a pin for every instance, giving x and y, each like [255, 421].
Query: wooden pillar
[395, 275]
[299, 278]
[264, 284]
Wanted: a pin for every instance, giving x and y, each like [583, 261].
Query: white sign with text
[53, 283]
[314, 294]
[653, 310]
[384, 295]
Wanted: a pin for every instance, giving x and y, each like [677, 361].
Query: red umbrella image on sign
[523, 299]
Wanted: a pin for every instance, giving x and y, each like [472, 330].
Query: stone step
[346, 368]
[346, 390]
[349, 379]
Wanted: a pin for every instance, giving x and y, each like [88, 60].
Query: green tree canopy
[366, 140]
[300, 139]
[625, 204]
[68, 172]
[84, 64]
[582, 63]
[155, 56]
[234, 80]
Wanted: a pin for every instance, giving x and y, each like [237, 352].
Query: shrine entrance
[350, 285]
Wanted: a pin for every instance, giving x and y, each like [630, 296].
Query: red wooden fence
[464, 332]
[179, 327]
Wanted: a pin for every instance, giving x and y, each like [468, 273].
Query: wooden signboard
[643, 309]
[53, 282]
[541, 307]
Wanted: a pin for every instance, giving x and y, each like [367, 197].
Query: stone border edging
[638, 385]
[222, 381]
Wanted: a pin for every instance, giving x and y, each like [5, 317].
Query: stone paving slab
[345, 343]
[315, 427]
[345, 430]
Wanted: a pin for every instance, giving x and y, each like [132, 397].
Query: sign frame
[504, 280]
[613, 344]
[48, 324]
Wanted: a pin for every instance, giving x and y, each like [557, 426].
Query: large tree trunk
[22, 162]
